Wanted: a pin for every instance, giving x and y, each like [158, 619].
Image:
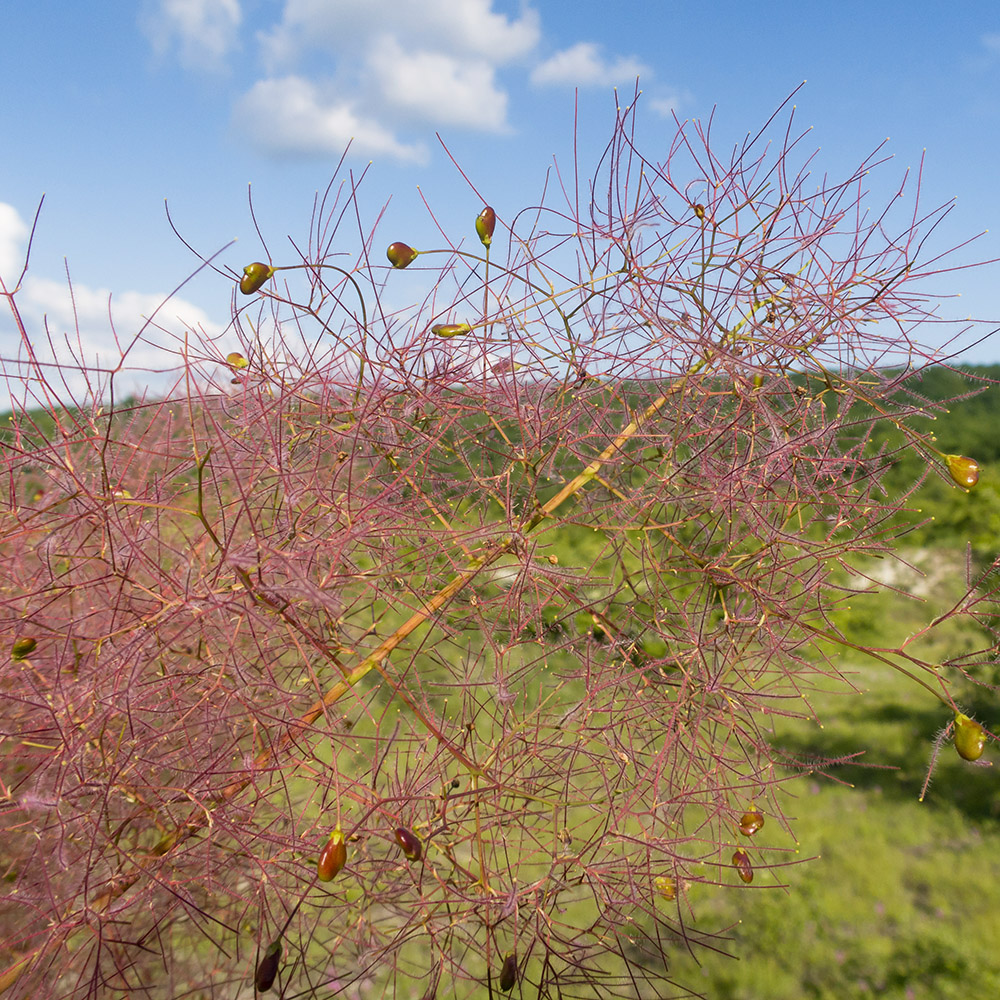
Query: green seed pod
[22, 648]
[970, 737]
[666, 887]
[486, 222]
[451, 329]
[254, 276]
[965, 471]
[750, 823]
[267, 968]
[236, 360]
[401, 255]
[508, 973]
[743, 867]
[333, 857]
[699, 211]
[409, 842]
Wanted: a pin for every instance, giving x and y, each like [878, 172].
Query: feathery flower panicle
[535, 586]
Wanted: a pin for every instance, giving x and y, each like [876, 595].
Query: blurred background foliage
[902, 900]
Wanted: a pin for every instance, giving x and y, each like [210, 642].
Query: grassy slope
[903, 901]
[904, 898]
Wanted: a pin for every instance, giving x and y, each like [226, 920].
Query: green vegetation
[902, 899]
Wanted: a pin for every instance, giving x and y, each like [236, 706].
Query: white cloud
[335, 70]
[13, 234]
[582, 65]
[383, 68]
[291, 115]
[468, 29]
[670, 102]
[439, 87]
[90, 309]
[205, 30]
[93, 329]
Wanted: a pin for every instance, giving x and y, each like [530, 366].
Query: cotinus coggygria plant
[517, 584]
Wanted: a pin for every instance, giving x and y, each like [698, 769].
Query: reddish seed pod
[409, 842]
[401, 255]
[267, 968]
[508, 973]
[451, 329]
[22, 648]
[750, 823]
[965, 471]
[970, 737]
[333, 857]
[254, 276]
[743, 867]
[699, 211]
[486, 222]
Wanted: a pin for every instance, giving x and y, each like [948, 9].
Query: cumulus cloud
[332, 71]
[582, 65]
[293, 116]
[468, 28]
[432, 61]
[97, 330]
[204, 30]
[109, 323]
[439, 88]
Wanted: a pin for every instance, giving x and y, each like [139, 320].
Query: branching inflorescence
[436, 652]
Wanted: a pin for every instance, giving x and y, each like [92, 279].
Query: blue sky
[110, 108]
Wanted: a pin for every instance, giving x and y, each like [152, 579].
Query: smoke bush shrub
[506, 586]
